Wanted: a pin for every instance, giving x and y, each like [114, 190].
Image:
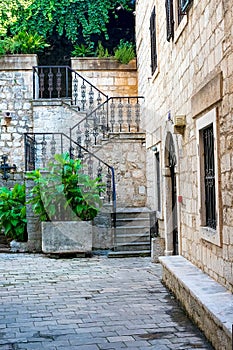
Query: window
[180, 13]
[209, 176]
[170, 19]
[153, 41]
[184, 4]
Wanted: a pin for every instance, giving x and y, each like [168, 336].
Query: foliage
[2, 48]
[82, 51]
[125, 52]
[23, 43]
[64, 192]
[79, 20]
[9, 12]
[101, 52]
[13, 212]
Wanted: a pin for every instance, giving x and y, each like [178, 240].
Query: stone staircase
[99, 130]
[132, 237]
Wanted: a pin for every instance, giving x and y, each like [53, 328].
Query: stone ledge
[208, 303]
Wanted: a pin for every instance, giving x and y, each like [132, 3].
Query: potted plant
[66, 201]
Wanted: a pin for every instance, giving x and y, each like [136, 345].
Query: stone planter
[66, 237]
[18, 62]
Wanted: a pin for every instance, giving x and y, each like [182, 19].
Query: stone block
[157, 248]
[207, 95]
[66, 237]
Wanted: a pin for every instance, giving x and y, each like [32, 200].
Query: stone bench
[208, 303]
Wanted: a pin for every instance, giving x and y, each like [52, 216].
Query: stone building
[185, 72]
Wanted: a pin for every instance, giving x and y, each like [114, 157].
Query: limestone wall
[126, 153]
[111, 77]
[16, 91]
[194, 77]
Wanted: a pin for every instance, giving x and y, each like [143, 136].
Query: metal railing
[40, 149]
[116, 114]
[51, 82]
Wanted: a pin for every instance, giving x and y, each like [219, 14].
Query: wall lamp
[5, 168]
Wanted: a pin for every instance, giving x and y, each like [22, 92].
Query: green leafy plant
[101, 52]
[13, 212]
[82, 51]
[82, 20]
[2, 48]
[124, 52]
[63, 192]
[24, 43]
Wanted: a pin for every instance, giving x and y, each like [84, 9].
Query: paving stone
[90, 304]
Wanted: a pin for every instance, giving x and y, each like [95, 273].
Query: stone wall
[126, 153]
[111, 77]
[16, 92]
[54, 116]
[193, 77]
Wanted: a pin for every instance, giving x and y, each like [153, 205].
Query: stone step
[132, 230]
[127, 213]
[133, 237]
[133, 246]
[133, 221]
[129, 254]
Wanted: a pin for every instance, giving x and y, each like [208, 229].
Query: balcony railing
[116, 114]
[51, 82]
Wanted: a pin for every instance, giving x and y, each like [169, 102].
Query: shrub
[13, 212]
[101, 52]
[64, 192]
[124, 52]
[23, 43]
[82, 51]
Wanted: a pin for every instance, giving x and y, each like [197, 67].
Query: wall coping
[18, 62]
[95, 63]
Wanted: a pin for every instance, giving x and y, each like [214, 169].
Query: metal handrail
[111, 169]
[67, 71]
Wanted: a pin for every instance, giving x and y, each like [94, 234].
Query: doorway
[173, 217]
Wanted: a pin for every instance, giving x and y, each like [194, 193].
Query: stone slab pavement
[89, 304]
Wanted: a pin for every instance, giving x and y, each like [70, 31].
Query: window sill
[180, 28]
[210, 235]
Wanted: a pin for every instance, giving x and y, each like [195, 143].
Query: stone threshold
[208, 303]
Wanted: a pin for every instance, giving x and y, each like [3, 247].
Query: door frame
[171, 209]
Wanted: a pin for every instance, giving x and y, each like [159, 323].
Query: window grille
[153, 41]
[169, 19]
[209, 176]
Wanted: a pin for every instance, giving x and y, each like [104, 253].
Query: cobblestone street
[89, 304]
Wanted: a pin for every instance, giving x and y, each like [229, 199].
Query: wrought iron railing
[116, 114]
[50, 82]
[40, 148]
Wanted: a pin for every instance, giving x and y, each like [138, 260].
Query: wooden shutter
[170, 19]
[153, 41]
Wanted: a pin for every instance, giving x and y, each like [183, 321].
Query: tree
[77, 20]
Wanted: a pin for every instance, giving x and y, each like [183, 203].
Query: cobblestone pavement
[89, 304]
